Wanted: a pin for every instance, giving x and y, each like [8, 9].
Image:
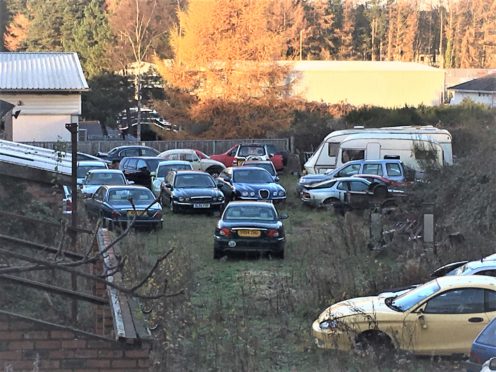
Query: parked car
[207, 164]
[264, 164]
[163, 168]
[237, 154]
[114, 204]
[441, 317]
[250, 227]
[486, 266]
[86, 165]
[334, 191]
[191, 190]
[249, 183]
[272, 149]
[98, 177]
[483, 349]
[83, 156]
[391, 169]
[66, 200]
[117, 153]
[138, 169]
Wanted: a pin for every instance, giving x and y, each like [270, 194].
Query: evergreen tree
[91, 39]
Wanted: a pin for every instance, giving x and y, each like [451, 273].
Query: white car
[83, 166]
[164, 167]
[198, 160]
[98, 177]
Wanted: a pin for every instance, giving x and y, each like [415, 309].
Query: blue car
[250, 183]
[483, 348]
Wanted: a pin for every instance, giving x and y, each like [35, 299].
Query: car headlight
[282, 193]
[328, 324]
[244, 193]
[274, 193]
[181, 199]
[252, 193]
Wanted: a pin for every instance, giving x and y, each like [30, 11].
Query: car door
[94, 204]
[446, 323]
[372, 168]
[342, 189]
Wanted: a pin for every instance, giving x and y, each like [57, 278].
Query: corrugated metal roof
[41, 71]
[483, 84]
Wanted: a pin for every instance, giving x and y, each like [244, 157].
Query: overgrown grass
[251, 313]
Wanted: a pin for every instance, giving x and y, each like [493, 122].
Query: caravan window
[350, 154]
[372, 169]
[333, 149]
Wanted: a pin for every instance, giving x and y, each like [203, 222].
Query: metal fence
[207, 146]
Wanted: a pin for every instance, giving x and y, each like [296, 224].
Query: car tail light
[115, 214]
[68, 205]
[475, 357]
[157, 214]
[225, 232]
[272, 233]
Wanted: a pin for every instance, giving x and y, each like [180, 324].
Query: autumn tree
[228, 49]
[320, 40]
[346, 48]
[16, 32]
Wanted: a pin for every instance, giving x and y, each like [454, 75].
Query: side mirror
[153, 174]
[130, 182]
[283, 216]
[276, 179]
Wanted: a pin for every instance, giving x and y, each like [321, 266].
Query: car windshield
[139, 196]
[164, 169]
[194, 181]
[152, 163]
[83, 169]
[249, 212]
[411, 298]
[105, 179]
[251, 151]
[252, 176]
[202, 155]
[267, 166]
[459, 270]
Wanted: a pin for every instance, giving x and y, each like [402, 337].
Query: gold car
[441, 317]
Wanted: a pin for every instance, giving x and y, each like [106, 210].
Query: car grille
[264, 194]
[201, 199]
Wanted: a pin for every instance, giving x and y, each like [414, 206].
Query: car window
[457, 301]
[343, 186]
[415, 296]
[267, 166]
[233, 152]
[487, 272]
[251, 151]
[194, 181]
[393, 169]
[372, 169]
[99, 194]
[164, 169]
[82, 170]
[123, 196]
[488, 335]
[358, 186]
[149, 152]
[131, 164]
[249, 212]
[490, 300]
[252, 176]
[130, 152]
[349, 170]
[141, 164]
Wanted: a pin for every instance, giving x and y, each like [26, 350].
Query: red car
[237, 154]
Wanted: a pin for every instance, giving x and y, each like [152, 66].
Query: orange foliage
[17, 32]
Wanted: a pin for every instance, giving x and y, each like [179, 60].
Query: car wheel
[375, 343]
[172, 206]
[218, 253]
[331, 202]
[214, 171]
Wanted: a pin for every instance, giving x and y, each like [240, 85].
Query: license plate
[201, 205]
[249, 233]
[133, 213]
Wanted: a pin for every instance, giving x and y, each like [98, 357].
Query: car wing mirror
[153, 174]
[130, 182]
[276, 179]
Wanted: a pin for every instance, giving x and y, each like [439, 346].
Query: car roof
[106, 171]
[133, 146]
[248, 203]
[188, 171]
[456, 281]
[372, 161]
[126, 187]
[178, 151]
[142, 157]
[256, 162]
[167, 162]
[245, 168]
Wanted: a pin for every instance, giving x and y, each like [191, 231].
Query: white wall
[483, 98]
[43, 116]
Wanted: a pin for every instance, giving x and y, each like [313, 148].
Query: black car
[250, 227]
[250, 183]
[194, 190]
[138, 169]
[114, 204]
[117, 153]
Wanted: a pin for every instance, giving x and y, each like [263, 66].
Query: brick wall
[30, 345]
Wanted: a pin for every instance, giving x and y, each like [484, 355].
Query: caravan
[414, 146]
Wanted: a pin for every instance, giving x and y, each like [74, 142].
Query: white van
[401, 143]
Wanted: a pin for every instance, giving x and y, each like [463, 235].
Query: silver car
[99, 177]
[333, 191]
[163, 168]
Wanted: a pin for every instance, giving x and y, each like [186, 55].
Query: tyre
[331, 202]
[375, 343]
[218, 253]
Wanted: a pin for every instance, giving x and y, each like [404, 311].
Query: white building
[482, 90]
[45, 91]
